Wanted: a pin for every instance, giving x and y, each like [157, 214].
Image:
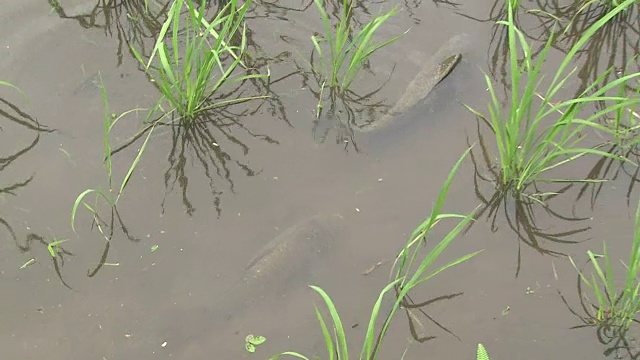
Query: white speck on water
[164, 344]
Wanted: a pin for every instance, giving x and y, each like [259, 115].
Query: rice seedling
[535, 138]
[617, 303]
[344, 55]
[410, 273]
[54, 247]
[190, 70]
[110, 196]
[481, 353]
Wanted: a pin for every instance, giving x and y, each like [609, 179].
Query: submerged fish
[285, 263]
[431, 74]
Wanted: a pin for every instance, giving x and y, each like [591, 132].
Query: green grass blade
[343, 351]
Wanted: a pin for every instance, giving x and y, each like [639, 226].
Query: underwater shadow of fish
[408, 110]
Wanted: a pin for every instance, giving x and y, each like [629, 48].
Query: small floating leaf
[252, 341]
[154, 248]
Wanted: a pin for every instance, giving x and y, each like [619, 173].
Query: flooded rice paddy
[204, 201]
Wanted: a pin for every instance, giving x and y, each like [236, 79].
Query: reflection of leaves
[6, 161]
[409, 306]
[498, 50]
[21, 118]
[199, 141]
[620, 36]
[273, 9]
[25, 121]
[11, 188]
[207, 138]
[131, 21]
[108, 236]
[567, 23]
[519, 211]
[260, 85]
[610, 169]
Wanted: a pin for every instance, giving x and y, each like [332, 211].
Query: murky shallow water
[208, 215]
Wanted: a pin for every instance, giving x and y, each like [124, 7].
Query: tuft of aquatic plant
[193, 68]
[344, 55]
[616, 305]
[534, 138]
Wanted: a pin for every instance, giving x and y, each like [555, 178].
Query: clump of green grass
[110, 196]
[534, 138]
[344, 55]
[192, 68]
[616, 304]
[410, 273]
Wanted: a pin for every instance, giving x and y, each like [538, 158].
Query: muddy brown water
[209, 215]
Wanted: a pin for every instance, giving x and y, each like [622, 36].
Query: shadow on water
[519, 212]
